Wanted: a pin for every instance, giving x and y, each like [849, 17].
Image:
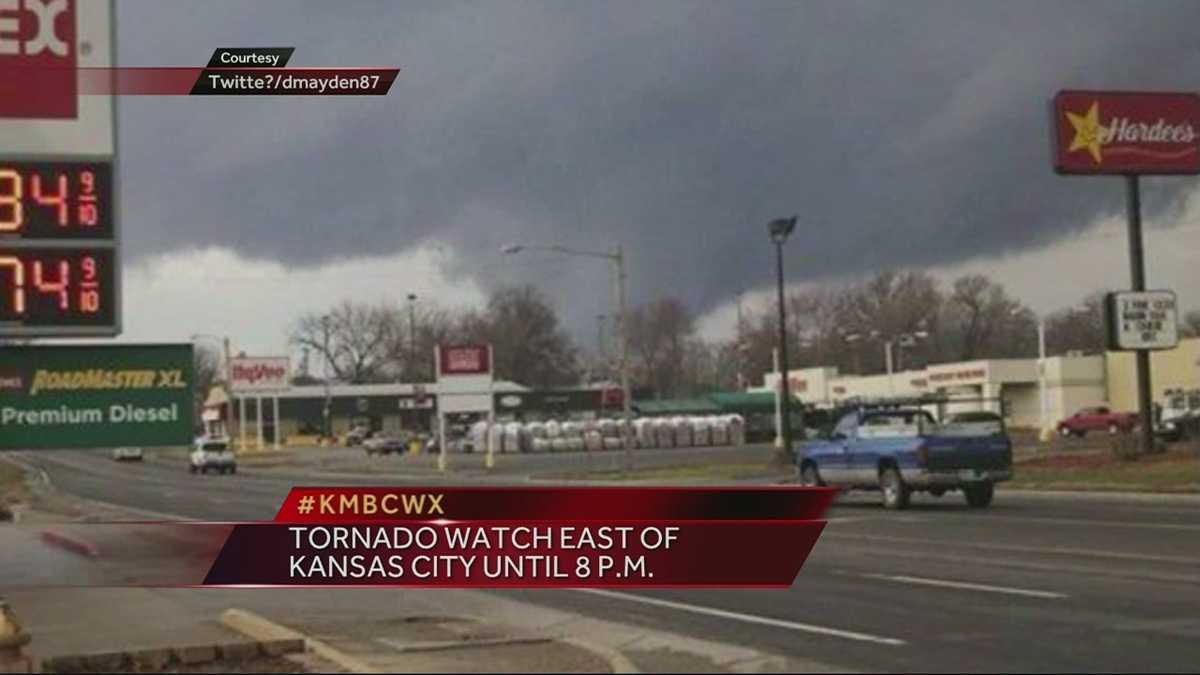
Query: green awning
[743, 402]
[678, 406]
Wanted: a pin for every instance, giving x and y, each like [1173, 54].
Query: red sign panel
[38, 59]
[465, 360]
[1108, 132]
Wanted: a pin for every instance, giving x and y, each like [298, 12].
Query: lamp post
[890, 343]
[327, 426]
[412, 336]
[224, 342]
[620, 326]
[779, 229]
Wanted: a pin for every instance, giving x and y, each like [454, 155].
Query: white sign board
[259, 375]
[1144, 320]
[48, 50]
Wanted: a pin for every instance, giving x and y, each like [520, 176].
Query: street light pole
[623, 359]
[780, 228]
[887, 357]
[328, 428]
[412, 336]
[620, 327]
[1043, 411]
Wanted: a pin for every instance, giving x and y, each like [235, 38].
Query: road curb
[259, 628]
[156, 659]
[71, 543]
[617, 661]
[1101, 495]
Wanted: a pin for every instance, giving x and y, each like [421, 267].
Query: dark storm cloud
[902, 133]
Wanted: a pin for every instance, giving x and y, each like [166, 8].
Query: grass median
[1177, 471]
[12, 488]
[682, 473]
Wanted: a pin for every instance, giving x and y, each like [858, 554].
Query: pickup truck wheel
[1113, 430]
[204, 469]
[979, 496]
[191, 468]
[895, 492]
[1065, 432]
[809, 477]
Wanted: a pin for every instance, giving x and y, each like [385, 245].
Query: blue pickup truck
[901, 451]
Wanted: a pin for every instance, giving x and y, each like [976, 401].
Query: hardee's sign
[1106, 132]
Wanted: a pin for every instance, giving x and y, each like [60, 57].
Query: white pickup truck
[212, 454]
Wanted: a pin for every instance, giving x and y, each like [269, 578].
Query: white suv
[212, 454]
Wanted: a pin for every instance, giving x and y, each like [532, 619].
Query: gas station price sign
[56, 200]
[58, 254]
[57, 288]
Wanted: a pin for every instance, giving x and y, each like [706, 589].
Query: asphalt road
[1037, 583]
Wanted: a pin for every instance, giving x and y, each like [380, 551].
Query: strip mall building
[1072, 382]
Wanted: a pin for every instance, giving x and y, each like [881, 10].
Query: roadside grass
[12, 487]
[1177, 470]
[684, 473]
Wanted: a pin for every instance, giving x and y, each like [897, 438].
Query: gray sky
[902, 133]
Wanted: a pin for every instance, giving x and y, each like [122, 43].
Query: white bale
[720, 431]
[514, 437]
[701, 431]
[737, 430]
[664, 433]
[683, 432]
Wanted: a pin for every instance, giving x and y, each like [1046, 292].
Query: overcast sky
[902, 133]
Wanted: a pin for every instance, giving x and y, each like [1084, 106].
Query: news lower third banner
[231, 71]
[464, 537]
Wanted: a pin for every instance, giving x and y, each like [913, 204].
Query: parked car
[127, 454]
[1097, 418]
[212, 454]
[901, 451]
[381, 444]
[357, 436]
[977, 421]
[1181, 416]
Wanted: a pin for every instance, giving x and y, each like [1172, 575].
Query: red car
[1098, 418]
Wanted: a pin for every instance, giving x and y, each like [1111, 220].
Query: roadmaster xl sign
[95, 396]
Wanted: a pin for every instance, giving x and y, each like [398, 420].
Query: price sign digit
[12, 215]
[14, 264]
[58, 286]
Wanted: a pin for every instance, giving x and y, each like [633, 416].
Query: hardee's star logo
[1088, 131]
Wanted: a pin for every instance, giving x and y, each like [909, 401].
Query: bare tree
[352, 339]
[529, 343]
[660, 333]
[1191, 324]
[1077, 328]
[431, 325]
[982, 321]
[206, 372]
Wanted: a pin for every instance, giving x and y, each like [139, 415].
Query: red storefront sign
[1113, 132]
[38, 59]
[464, 360]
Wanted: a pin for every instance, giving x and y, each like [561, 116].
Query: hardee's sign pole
[1129, 134]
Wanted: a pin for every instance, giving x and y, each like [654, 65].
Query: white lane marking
[1013, 548]
[748, 618]
[1101, 523]
[965, 585]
